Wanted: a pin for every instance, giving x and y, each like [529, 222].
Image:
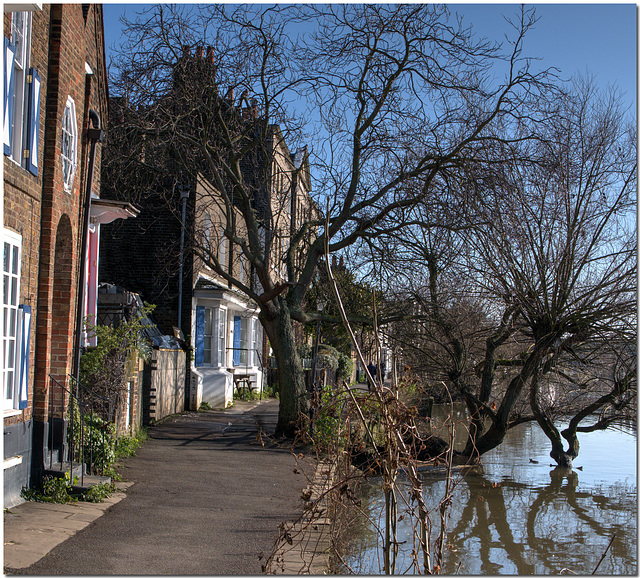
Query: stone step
[58, 470]
[82, 482]
[87, 481]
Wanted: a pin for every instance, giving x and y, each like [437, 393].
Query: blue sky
[596, 38]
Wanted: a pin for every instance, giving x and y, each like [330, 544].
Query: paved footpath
[207, 495]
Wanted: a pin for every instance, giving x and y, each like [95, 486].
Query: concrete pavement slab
[32, 529]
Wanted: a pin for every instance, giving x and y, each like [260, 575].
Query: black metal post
[95, 135]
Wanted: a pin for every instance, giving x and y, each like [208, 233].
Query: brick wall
[64, 39]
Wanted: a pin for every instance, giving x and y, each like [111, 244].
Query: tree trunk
[276, 320]
[495, 434]
[563, 458]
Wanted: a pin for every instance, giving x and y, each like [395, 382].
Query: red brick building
[55, 102]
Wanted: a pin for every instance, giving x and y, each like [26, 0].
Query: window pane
[6, 258]
[10, 359]
[12, 323]
[16, 261]
[207, 323]
[6, 290]
[8, 385]
[14, 291]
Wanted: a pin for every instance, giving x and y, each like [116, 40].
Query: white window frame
[242, 263]
[254, 342]
[222, 250]
[214, 337]
[11, 273]
[69, 144]
[208, 336]
[20, 93]
[221, 341]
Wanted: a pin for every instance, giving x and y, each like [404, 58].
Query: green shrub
[127, 446]
[345, 367]
[59, 491]
[98, 493]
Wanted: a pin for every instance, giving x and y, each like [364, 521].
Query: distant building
[218, 321]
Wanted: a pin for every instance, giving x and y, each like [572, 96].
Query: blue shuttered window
[237, 339]
[24, 356]
[9, 57]
[199, 336]
[31, 152]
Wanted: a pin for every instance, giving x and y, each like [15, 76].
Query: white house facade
[228, 339]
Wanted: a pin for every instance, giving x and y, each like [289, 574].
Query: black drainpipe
[95, 135]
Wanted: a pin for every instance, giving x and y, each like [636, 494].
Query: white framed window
[208, 335]
[222, 250]
[221, 359]
[207, 232]
[16, 82]
[12, 254]
[254, 342]
[242, 265]
[211, 334]
[69, 144]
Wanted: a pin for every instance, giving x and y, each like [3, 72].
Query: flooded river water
[521, 515]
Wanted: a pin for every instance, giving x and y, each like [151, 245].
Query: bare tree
[384, 95]
[530, 311]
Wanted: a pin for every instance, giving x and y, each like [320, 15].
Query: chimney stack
[254, 108]
[333, 261]
[199, 52]
[210, 55]
[229, 95]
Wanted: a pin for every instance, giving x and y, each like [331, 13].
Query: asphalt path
[208, 497]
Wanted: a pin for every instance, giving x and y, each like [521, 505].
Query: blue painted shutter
[9, 58]
[24, 355]
[199, 336]
[237, 339]
[33, 123]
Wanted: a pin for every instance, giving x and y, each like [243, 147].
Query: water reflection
[520, 517]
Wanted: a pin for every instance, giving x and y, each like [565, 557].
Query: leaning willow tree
[528, 310]
[383, 95]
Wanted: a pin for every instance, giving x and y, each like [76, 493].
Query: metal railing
[78, 446]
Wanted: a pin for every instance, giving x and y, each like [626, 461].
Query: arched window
[69, 144]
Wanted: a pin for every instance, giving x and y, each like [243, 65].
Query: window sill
[11, 412]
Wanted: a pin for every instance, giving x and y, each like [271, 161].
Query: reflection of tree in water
[586, 520]
[516, 528]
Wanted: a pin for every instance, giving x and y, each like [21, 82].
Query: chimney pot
[199, 51]
[210, 55]
[229, 96]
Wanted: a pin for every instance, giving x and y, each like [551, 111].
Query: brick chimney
[199, 52]
[210, 55]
